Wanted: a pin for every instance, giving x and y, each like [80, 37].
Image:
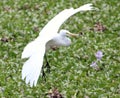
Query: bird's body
[47, 38]
[59, 40]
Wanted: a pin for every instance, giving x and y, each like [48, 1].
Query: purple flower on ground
[99, 55]
[93, 65]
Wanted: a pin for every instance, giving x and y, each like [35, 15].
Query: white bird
[47, 38]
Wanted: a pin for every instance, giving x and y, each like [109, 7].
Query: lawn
[71, 74]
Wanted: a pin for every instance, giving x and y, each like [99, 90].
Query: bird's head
[64, 32]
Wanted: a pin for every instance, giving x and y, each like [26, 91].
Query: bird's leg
[43, 73]
[47, 64]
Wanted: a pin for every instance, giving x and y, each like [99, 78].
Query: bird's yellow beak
[72, 35]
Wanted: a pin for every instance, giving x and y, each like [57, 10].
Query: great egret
[47, 38]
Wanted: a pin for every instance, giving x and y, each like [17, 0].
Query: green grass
[21, 22]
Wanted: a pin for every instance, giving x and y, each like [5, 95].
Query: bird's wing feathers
[52, 27]
[36, 49]
[32, 67]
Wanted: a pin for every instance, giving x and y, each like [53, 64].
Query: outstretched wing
[52, 27]
[36, 49]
